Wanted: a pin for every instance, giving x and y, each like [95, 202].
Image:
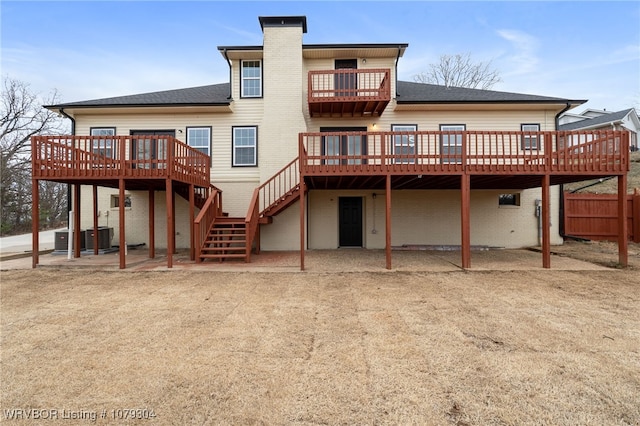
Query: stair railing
[252, 227]
[211, 209]
[276, 189]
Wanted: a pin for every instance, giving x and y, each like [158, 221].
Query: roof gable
[597, 121]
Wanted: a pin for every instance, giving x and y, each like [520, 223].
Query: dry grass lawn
[460, 348]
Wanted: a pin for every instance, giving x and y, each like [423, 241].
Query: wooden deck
[467, 152]
[143, 161]
[151, 163]
[463, 160]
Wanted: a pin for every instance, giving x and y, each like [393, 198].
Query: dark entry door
[346, 84]
[152, 151]
[350, 221]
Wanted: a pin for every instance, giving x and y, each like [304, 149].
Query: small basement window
[509, 200]
[115, 201]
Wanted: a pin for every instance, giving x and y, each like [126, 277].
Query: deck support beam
[546, 222]
[465, 220]
[302, 214]
[623, 244]
[152, 224]
[95, 220]
[387, 221]
[35, 223]
[192, 218]
[76, 221]
[171, 235]
[123, 236]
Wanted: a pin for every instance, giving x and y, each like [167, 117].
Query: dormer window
[251, 81]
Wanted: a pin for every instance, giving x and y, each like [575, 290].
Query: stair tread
[220, 256]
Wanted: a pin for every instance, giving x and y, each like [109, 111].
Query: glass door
[150, 152]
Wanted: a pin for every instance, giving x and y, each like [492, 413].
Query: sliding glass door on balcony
[344, 149]
[149, 148]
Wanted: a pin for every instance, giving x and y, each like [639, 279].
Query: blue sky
[88, 50]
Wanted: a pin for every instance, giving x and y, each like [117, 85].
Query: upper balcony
[103, 160]
[349, 92]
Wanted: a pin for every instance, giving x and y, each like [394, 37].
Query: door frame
[345, 84]
[344, 142]
[362, 216]
[153, 153]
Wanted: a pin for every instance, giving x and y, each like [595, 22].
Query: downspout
[557, 119]
[73, 133]
[224, 52]
[396, 68]
[561, 207]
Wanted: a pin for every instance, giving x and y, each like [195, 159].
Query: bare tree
[459, 71]
[21, 117]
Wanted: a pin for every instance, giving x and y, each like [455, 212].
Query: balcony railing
[353, 92]
[114, 157]
[455, 152]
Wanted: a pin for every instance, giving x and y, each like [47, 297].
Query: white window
[200, 139]
[245, 146]
[103, 146]
[251, 80]
[530, 140]
[404, 146]
[451, 143]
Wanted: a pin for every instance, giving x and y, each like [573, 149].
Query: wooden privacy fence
[595, 216]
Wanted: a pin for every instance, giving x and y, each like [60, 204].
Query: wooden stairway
[227, 239]
[236, 237]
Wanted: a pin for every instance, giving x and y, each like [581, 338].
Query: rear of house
[331, 151]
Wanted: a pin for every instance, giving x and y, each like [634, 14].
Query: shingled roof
[420, 93]
[597, 121]
[216, 94]
[408, 93]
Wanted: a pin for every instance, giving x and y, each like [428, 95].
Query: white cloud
[523, 57]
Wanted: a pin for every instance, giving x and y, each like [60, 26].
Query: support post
[76, 221]
[95, 220]
[35, 223]
[635, 215]
[173, 219]
[546, 222]
[387, 222]
[465, 220]
[192, 218]
[258, 238]
[152, 224]
[170, 231]
[122, 236]
[302, 201]
[623, 245]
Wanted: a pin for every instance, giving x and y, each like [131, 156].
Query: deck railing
[280, 186]
[252, 227]
[349, 85]
[481, 152]
[153, 156]
[203, 223]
